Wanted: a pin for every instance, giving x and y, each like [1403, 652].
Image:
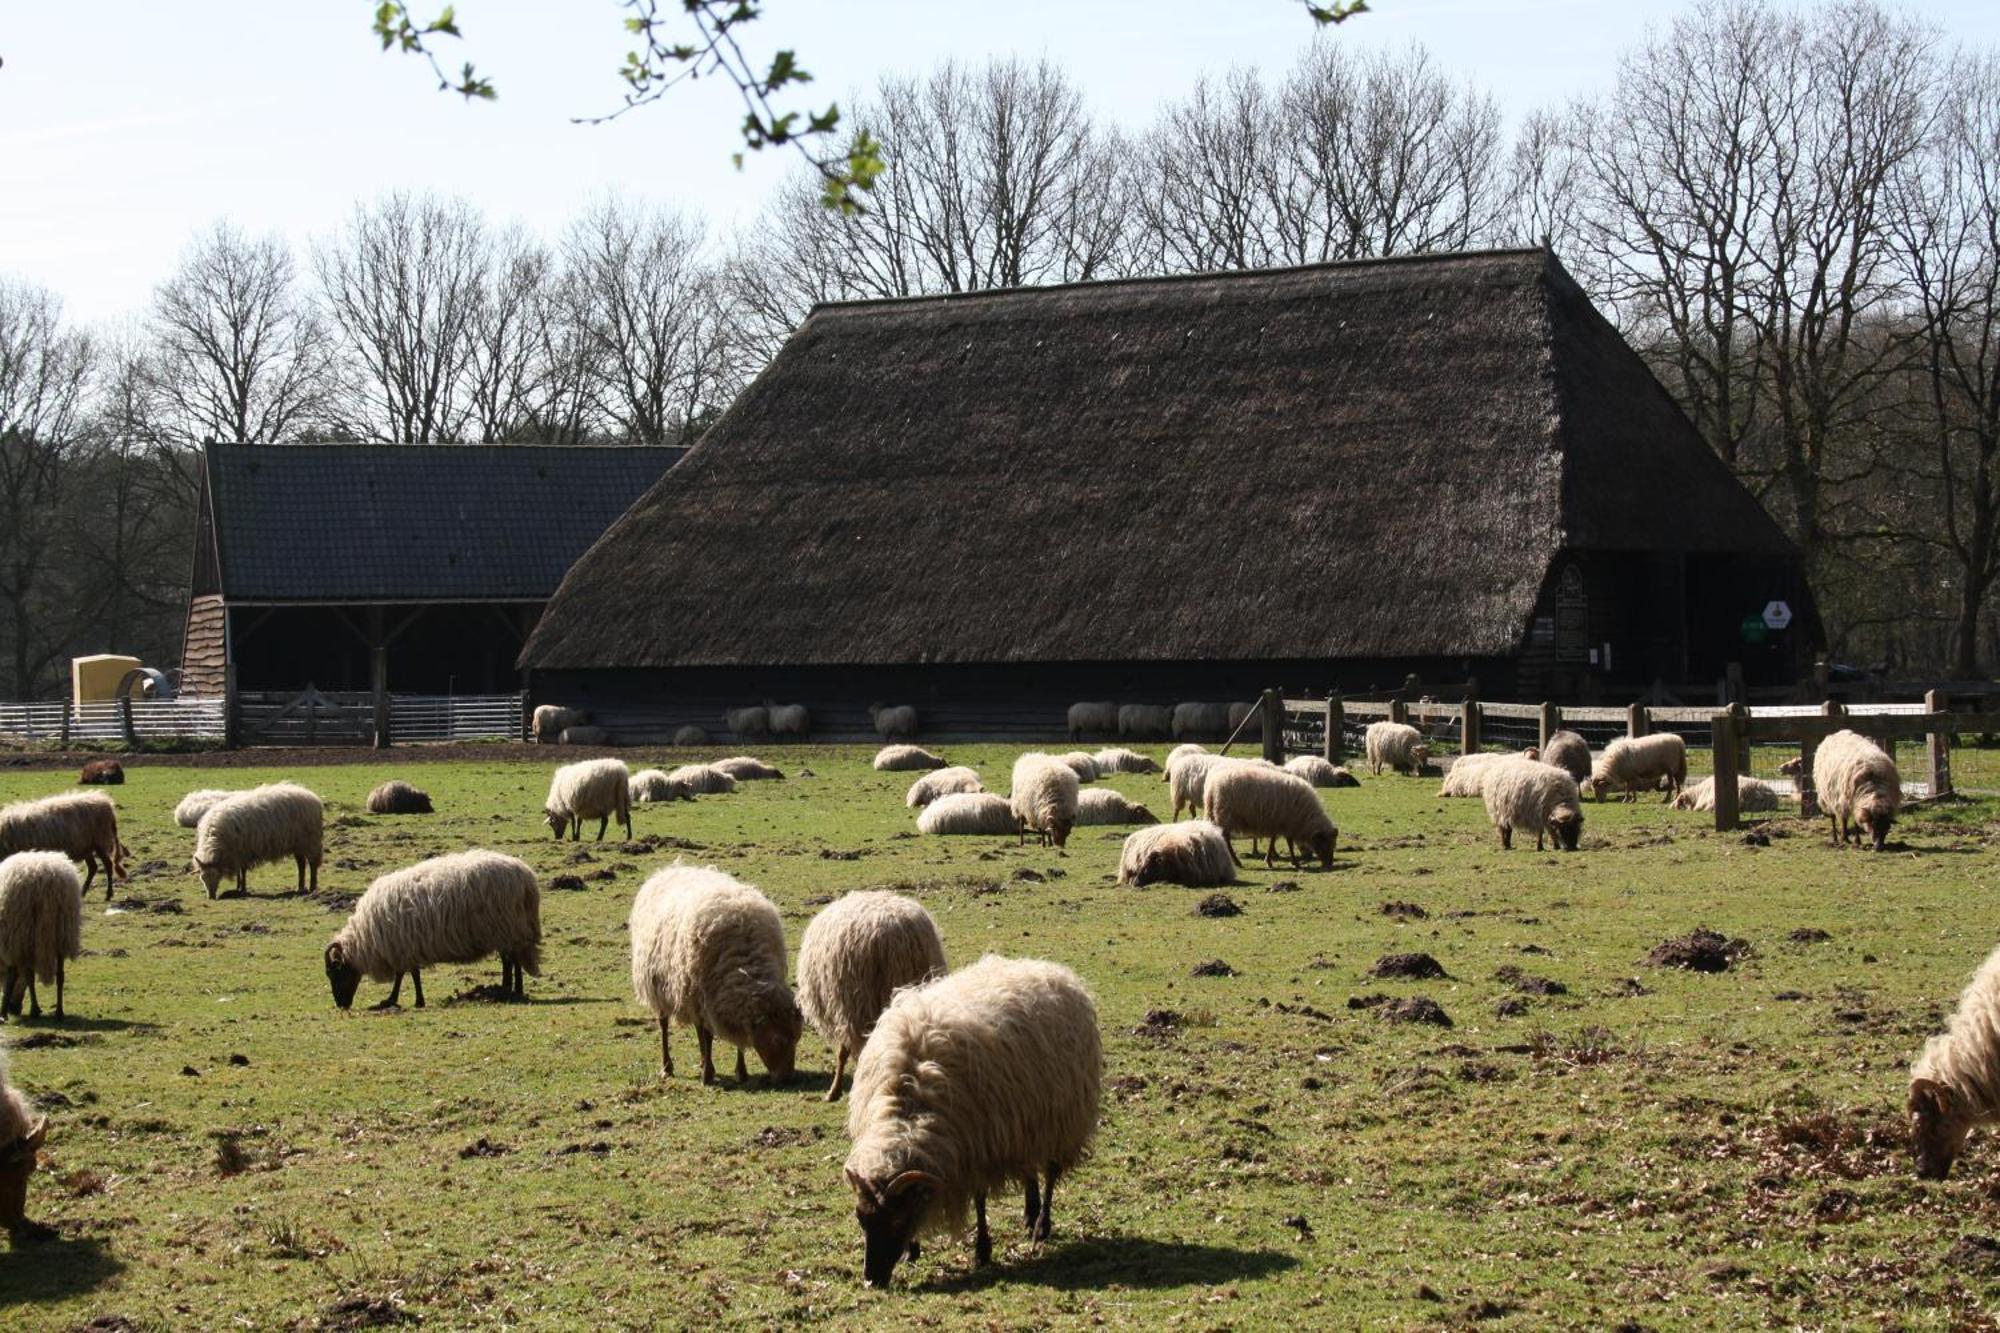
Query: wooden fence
[126, 721]
[316, 717]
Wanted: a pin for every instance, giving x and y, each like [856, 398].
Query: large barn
[313, 560]
[1323, 478]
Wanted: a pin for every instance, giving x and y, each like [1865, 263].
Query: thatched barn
[318, 564]
[1181, 488]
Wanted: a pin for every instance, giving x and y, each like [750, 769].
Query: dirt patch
[1217, 904]
[1367, 1001]
[1408, 967]
[1282, 886]
[1416, 1009]
[485, 1147]
[55, 1041]
[334, 902]
[363, 1312]
[1700, 950]
[1159, 1023]
[167, 906]
[1510, 1008]
[1528, 983]
[1626, 988]
[773, 1136]
[568, 883]
[1809, 935]
[1402, 911]
[1214, 967]
[833, 854]
[1974, 1254]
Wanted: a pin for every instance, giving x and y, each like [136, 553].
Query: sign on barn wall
[1777, 615]
[1572, 617]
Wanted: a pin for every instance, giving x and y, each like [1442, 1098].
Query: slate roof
[416, 523]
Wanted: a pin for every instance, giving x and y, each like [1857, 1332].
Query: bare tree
[505, 339]
[1205, 189]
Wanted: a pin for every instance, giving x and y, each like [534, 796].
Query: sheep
[552, 720]
[789, 719]
[708, 952]
[82, 825]
[1187, 776]
[746, 723]
[890, 723]
[457, 908]
[1752, 794]
[1397, 745]
[1043, 797]
[744, 768]
[980, 1079]
[22, 1134]
[1857, 786]
[1100, 718]
[1181, 750]
[1079, 763]
[860, 950]
[701, 780]
[1269, 804]
[963, 813]
[1145, 721]
[940, 783]
[1569, 752]
[689, 735]
[599, 789]
[1101, 805]
[258, 826]
[650, 784]
[1467, 774]
[41, 927]
[1124, 761]
[1955, 1079]
[1193, 719]
[197, 803]
[1525, 794]
[102, 773]
[1241, 713]
[1193, 853]
[1318, 771]
[396, 797]
[1636, 763]
[585, 736]
[906, 759]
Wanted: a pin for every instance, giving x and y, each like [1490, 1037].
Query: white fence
[150, 719]
[412, 718]
[454, 717]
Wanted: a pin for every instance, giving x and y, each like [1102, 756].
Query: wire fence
[123, 720]
[273, 719]
[455, 717]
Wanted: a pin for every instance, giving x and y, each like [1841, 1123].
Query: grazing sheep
[650, 784]
[689, 735]
[1187, 776]
[906, 759]
[1079, 763]
[1795, 767]
[1102, 805]
[1193, 853]
[968, 813]
[1638, 763]
[1270, 804]
[940, 783]
[1194, 719]
[397, 797]
[1467, 774]
[708, 952]
[82, 825]
[450, 909]
[1180, 751]
[1752, 794]
[22, 1134]
[1955, 1081]
[789, 719]
[258, 826]
[41, 927]
[1396, 745]
[900, 720]
[982, 1079]
[1569, 752]
[552, 720]
[1145, 721]
[585, 736]
[701, 780]
[1097, 718]
[599, 789]
[1525, 794]
[1318, 771]
[748, 723]
[1241, 713]
[196, 804]
[1124, 761]
[744, 768]
[1857, 785]
[1043, 797]
[102, 773]
[860, 950]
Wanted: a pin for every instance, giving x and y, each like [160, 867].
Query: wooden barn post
[125, 720]
[1940, 748]
[1550, 724]
[1725, 726]
[1272, 705]
[378, 675]
[1469, 730]
[1398, 710]
[1741, 716]
[69, 706]
[232, 709]
[1635, 719]
[1335, 720]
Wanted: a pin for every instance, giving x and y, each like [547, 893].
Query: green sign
[1754, 629]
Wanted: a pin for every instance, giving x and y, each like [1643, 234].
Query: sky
[128, 126]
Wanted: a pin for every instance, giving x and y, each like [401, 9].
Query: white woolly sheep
[82, 825]
[22, 1134]
[1752, 794]
[552, 720]
[650, 784]
[1043, 797]
[1187, 776]
[1145, 721]
[940, 783]
[745, 768]
[1124, 761]
[1637, 763]
[1198, 719]
[1395, 745]
[689, 735]
[255, 827]
[1569, 752]
[979, 1080]
[860, 950]
[1525, 794]
[968, 814]
[1192, 853]
[906, 759]
[748, 723]
[587, 735]
[891, 722]
[789, 719]
[41, 927]
[701, 780]
[1955, 1080]
[1079, 763]
[396, 797]
[708, 952]
[599, 789]
[1256, 802]
[1467, 774]
[1099, 718]
[198, 803]
[1317, 771]
[1180, 751]
[1857, 786]
[450, 909]
[1102, 805]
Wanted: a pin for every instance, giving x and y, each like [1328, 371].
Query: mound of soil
[1700, 950]
[1416, 1009]
[1809, 935]
[1974, 1254]
[1528, 983]
[1367, 1001]
[1214, 967]
[1408, 966]
[362, 1312]
[485, 1147]
[1217, 904]
[1404, 911]
[1510, 1008]
[568, 883]
[1158, 1023]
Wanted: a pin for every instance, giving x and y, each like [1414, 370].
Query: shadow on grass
[56, 1269]
[48, 1022]
[1130, 1261]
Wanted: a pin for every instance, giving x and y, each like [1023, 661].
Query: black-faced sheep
[1858, 787]
[860, 950]
[599, 789]
[1250, 801]
[552, 720]
[1102, 805]
[1395, 745]
[450, 909]
[1043, 797]
[940, 783]
[82, 825]
[22, 1134]
[745, 768]
[258, 826]
[1124, 761]
[1955, 1081]
[1528, 794]
[1150, 722]
[397, 797]
[906, 759]
[1192, 853]
[892, 722]
[1632, 764]
[1569, 752]
[41, 927]
[102, 773]
[968, 813]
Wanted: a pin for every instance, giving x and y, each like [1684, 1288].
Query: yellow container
[96, 678]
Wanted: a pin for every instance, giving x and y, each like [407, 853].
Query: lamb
[905, 759]
[82, 825]
[1144, 721]
[258, 826]
[1193, 853]
[650, 784]
[1270, 804]
[701, 780]
[900, 720]
[22, 1134]
[708, 952]
[1569, 752]
[1638, 763]
[1043, 797]
[1955, 1080]
[1100, 718]
[396, 797]
[1318, 771]
[744, 768]
[1857, 786]
[940, 783]
[552, 720]
[746, 723]
[1101, 805]
[599, 789]
[978, 1080]
[789, 719]
[197, 803]
[102, 773]
[458, 908]
[1124, 761]
[1525, 794]
[41, 927]
[690, 735]
[1193, 719]
[1752, 794]
[1079, 763]
[1397, 745]
[858, 952]
[968, 813]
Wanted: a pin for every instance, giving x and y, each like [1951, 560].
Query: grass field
[1667, 1148]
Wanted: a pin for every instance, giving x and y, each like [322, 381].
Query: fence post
[312, 713]
[1272, 705]
[232, 704]
[1550, 724]
[1635, 719]
[1334, 722]
[1741, 717]
[380, 671]
[1724, 728]
[1398, 710]
[69, 706]
[527, 710]
[125, 719]
[1469, 731]
[1940, 749]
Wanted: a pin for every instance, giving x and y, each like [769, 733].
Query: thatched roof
[1361, 460]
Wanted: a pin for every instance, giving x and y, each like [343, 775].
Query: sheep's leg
[1270, 854]
[314, 867]
[982, 1245]
[1540, 834]
[417, 979]
[299, 858]
[707, 1040]
[59, 987]
[603, 822]
[1234, 859]
[89, 872]
[394, 997]
[1506, 838]
[1042, 1226]
[1034, 1208]
[839, 1068]
[742, 1070]
[34, 1000]
[1834, 829]
[666, 1056]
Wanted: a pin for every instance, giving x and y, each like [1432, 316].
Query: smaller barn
[371, 566]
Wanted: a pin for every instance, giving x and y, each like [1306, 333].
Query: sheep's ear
[334, 954]
[862, 1187]
[36, 1136]
[1927, 1090]
[909, 1180]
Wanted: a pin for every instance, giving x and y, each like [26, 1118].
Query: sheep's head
[890, 1215]
[1938, 1126]
[1141, 815]
[1875, 816]
[1322, 846]
[1599, 784]
[1059, 828]
[1532, 752]
[1419, 756]
[775, 1030]
[556, 820]
[17, 1163]
[343, 976]
[1566, 826]
[1793, 767]
[211, 875]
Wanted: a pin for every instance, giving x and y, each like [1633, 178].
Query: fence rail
[304, 717]
[129, 721]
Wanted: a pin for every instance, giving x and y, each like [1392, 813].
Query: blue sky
[126, 126]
